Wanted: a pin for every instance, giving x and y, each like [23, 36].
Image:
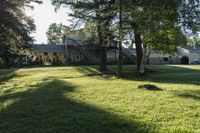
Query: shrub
[184, 60]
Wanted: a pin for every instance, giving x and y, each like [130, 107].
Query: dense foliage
[56, 33]
[157, 24]
[15, 28]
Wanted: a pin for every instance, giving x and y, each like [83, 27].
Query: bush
[184, 60]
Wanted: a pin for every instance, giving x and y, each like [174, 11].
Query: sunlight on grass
[75, 99]
[7, 103]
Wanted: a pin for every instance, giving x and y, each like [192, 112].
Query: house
[154, 58]
[158, 58]
[74, 52]
[192, 52]
[71, 52]
[47, 53]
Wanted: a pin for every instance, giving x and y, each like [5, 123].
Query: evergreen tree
[99, 12]
[15, 28]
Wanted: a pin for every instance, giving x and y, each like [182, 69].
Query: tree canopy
[15, 26]
[100, 12]
[56, 33]
[160, 24]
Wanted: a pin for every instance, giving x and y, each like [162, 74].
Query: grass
[81, 100]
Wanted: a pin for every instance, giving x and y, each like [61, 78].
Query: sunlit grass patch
[81, 99]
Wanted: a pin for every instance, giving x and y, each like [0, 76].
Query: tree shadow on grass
[169, 74]
[189, 94]
[158, 74]
[7, 74]
[48, 109]
[88, 71]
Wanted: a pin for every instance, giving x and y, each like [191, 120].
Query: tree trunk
[5, 57]
[120, 59]
[7, 62]
[103, 56]
[103, 61]
[146, 53]
[139, 52]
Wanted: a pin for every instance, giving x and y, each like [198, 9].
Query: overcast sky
[44, 15]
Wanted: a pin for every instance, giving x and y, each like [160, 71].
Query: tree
[165, 39]
[193, 42]
[15, 28]
[56, 33]
[97, 11]
[156, 23]
[189, 16]
[91, 36]
[120, 58]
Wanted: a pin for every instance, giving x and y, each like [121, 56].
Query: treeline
[162, 25]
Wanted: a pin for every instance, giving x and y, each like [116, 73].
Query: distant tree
[193, 42]
[90, 31]
[198, 42]
[56, 33]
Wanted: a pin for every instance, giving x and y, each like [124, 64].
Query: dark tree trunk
[5, 57]
[103, 61]
[120, 58]
[19, 62]
[103, 56]
[139, 52]
[7, 61]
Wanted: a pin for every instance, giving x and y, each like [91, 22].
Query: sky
[43, 15]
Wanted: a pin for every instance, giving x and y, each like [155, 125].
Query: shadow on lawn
[189, 94]
[158, 74]
[169, 74]
[7, 74]
[88, 70]
[49, 109]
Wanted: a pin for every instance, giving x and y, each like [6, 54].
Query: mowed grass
[81, 100]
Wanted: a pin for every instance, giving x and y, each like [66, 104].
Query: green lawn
[81, 100]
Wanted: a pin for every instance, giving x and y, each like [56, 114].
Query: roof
[49, 48]
[192, 48]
